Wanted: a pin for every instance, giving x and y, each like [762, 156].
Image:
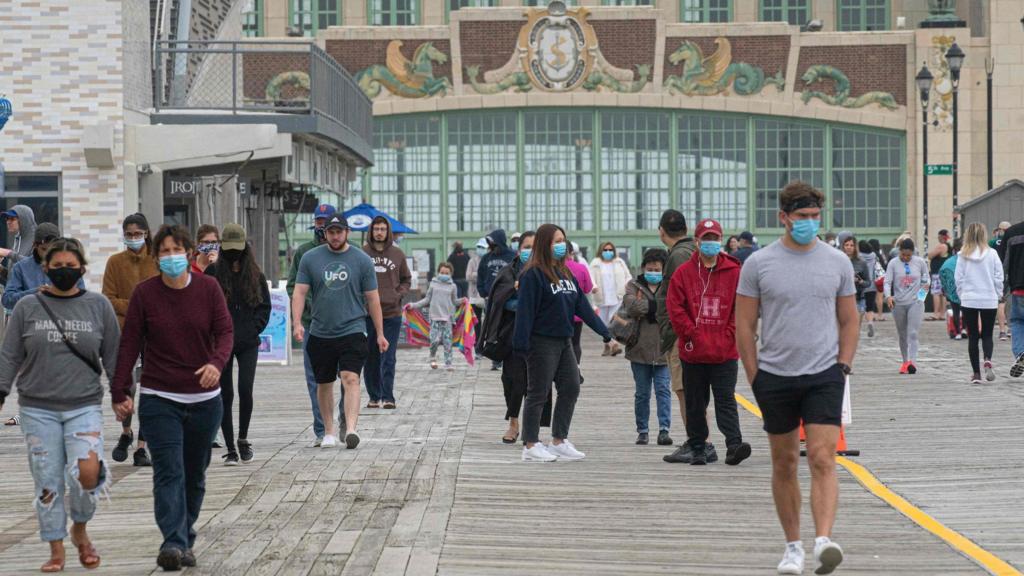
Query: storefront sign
[275, 340]
[183, 186]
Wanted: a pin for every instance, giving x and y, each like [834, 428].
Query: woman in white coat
[610, 275]
[979, 283]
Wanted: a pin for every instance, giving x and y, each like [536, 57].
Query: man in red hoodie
[700, 303]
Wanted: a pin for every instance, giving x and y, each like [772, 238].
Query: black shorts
[870, 303]
[329, 356]
[785, 400]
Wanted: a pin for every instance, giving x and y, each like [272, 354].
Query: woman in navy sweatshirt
[180, 322]
[549, 297]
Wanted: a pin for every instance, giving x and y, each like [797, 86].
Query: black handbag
[64, 336]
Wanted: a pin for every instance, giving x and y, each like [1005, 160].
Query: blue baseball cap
[10, 214]
[324, 211]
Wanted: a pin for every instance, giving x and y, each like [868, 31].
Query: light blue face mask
[653, 277]
[710, 247]
[135, 245]
[524, 255]
[515, 246]
[481, 252]
[444, 277]
[173, 265]
[559, 250]
[804, 231]
[608, 254]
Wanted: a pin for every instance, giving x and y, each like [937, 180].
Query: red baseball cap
[707, 226]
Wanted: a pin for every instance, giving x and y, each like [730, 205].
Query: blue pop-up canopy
[360, 218]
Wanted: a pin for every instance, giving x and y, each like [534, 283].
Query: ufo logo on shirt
[335, 275]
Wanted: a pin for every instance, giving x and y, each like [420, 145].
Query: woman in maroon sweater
[181, 323]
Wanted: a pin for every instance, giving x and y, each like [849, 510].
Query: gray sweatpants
[908, 319]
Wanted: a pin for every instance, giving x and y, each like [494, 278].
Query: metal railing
[240, 76]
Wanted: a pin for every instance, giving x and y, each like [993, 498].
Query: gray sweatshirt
[47, 373]
[903, 287]
[442, 297]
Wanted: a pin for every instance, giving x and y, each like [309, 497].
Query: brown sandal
[87, 555]
[52, 565]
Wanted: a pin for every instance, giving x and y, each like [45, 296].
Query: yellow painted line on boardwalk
[959, 542]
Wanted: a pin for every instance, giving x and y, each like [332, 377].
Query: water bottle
[922, 294]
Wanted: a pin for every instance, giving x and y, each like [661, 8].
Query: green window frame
[696, 11]
[483, 161]
[252, 18]
[862, 15]
[453, 5]
[627, 3]
[394, 12]
[784, 151]
[866, 179]
[635, 173]
[558, 168]
[796, 12]
[713, 167]
[311, 16]
[406, 178]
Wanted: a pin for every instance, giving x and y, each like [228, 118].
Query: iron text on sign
[938, 170]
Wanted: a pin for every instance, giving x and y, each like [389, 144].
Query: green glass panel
[558, 171]
[713, 169]
[482, 166]
[866, 179]
[406, 178]
[635, 173]
[786, 151]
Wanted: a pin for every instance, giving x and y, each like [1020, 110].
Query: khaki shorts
[676, 368]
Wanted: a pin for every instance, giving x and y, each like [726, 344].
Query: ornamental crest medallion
[556, 45]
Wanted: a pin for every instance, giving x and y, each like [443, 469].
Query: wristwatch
[845, 368]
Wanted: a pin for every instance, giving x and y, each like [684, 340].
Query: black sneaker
[351, 440]
[188, 559]
[142, 459]
[231, 458]
[169, 559]
[245, 451]
[710, 452]
[1018, 367]
[700, 457]
[120, 453]
[738, 453]
[641, 439]
[664, 439]
[682, 455]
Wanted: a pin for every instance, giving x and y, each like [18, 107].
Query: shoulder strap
[63, 335]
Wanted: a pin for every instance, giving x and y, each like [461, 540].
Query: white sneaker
[828, 554]
[566, 451]
[792, 560]
[317, 442]
[539, 453]
[990, 374]
[329, 441]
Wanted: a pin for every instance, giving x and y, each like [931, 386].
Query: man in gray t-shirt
[804, 293]
[344, 289]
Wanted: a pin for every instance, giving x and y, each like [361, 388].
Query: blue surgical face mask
[710, 247]
[804, 231]
[481, 252]
[135, 245]
[524, 254]
[173, 265]
[515, 246]
[444, 277]
[559, 250]
[608, 254]
[653, 277]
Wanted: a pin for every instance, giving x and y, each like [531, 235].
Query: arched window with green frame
[394, 12]
[862, 15]
[796, 12]
[453, 5]
[311, 16]
[252, 18]
[697, 11]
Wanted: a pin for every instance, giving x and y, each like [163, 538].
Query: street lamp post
[990, 66]
[955, 59]
[924, 86]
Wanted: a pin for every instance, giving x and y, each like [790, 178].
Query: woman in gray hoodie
[58, 343]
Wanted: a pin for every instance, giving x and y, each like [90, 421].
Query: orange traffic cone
[841, 449]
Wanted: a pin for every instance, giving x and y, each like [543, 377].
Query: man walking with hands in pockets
[344, 288]
[799, 375]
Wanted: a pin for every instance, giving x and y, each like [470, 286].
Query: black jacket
[249, 322]
[1011, 252]
[459, 261]
[493, 262]
[495, 340]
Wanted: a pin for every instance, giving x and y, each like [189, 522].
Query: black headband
[801, 203]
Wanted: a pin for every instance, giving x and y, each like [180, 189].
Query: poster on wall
[275, 340]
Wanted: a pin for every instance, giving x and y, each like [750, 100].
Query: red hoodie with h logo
[701, 305]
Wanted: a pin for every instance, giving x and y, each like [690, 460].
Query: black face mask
[320, 234]
[64, 278]
[232, 255]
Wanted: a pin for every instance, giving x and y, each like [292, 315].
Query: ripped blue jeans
[57, 441]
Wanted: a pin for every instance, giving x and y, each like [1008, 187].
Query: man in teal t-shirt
[343, 284]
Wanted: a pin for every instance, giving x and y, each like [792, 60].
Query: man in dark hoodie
[498, 256]
[393, 282]
[21, 230]
[1011, 252]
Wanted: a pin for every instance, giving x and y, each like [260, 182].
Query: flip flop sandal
[87, 555]
[511, 440]
[52, 566]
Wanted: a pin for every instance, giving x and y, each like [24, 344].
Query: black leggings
[988, 322]
[958, 318]
[246, 376]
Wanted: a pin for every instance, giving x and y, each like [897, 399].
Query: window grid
[558, 171]
[696, 11]
[635, 173]
[713, 169]
[311, 16]
[862, 15]
[453, 5]
[796, 12]
[394, 12]
[784, 151]
[866, 179]
[406, 178]
[482, 162]
[252, 18]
